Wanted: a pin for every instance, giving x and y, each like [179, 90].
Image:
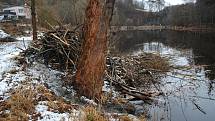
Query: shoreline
[154, 27]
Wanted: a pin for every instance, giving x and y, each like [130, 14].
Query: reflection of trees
[131, 39]
[135, 12]
[202, 44]
[206, 11]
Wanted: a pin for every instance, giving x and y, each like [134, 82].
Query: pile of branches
[60, 49]
[138, 76]
[137, 71]
[133, 75]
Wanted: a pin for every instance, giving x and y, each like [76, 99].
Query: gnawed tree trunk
[91, 66]
[33, 19]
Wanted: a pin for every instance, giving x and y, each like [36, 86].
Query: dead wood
[126, 74]
[34, 21]
[145, 96]
[59, 49]
[199, 108]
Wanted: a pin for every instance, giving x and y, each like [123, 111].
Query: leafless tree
[91, 68]
[34, 24]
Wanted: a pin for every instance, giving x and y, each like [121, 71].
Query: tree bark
[91, 66]
[33, 19]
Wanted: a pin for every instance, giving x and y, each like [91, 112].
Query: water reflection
[199, 46]
[190, 86]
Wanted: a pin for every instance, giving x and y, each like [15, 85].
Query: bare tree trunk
[34, 24]
[91, 67]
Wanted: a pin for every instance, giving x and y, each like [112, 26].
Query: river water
[189, 87]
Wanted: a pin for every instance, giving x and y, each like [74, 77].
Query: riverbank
[32, 91]
[136, 86]
[189, 86]
[157, 27]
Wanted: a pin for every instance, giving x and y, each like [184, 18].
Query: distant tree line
[61, 11]
[180, 15]
[127, 12]
[54, 11]
[12, 2]
[201, 13]
[136, 12]
[6, 3]
[206, 11]
[132, 12]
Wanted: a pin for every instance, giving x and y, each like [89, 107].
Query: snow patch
[50, 116]
[54, 116]
[8, 51]
[46, 75]
[3, 34]
[24, 38]
[88, 101]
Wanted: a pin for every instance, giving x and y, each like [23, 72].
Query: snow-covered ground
[3, 34]
[12, 75]
[7, 52]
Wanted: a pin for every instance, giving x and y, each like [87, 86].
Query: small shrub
[125, 118]
[93, 115]
[19, 105]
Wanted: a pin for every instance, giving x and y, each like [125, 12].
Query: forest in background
[191, 14]
[200, 13]
[127, 12]
[95, 71]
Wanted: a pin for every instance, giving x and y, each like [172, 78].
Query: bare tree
[91, 67]
[34, 24]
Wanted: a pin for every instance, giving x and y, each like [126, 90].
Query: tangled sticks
[137, 76]
[61, 49]
[132, 75]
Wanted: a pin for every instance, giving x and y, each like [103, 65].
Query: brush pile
[138, 76]
[137, 71]
[60, 49]
[132, 75]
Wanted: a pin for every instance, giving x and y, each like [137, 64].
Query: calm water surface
[189, 88]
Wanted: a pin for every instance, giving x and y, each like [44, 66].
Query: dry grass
[153, 61]
[105, 98]
[22, 101]
[143, 118]
[60, 106]
[91, 114]
[44, 94]
[55, 104]
[125, 118]
[119, 101]
[14, 29]
[19, 105]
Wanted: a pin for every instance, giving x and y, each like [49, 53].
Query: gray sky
[174, 2]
